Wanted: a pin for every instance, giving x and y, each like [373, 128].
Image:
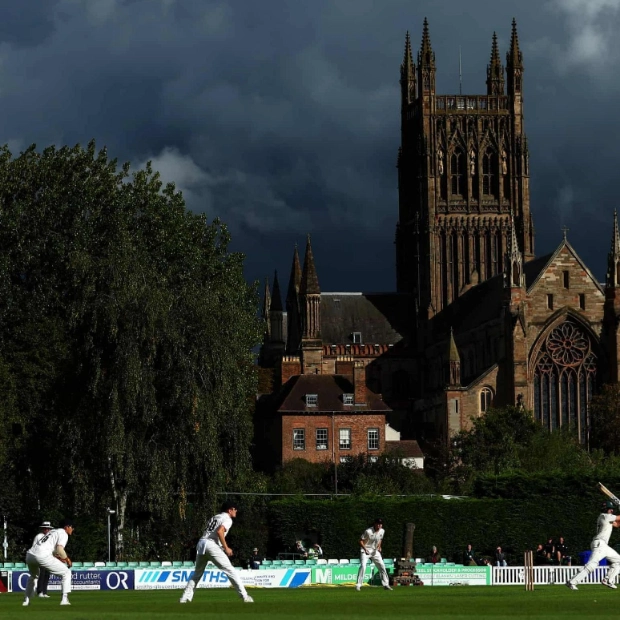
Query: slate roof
[329, 389]
[381, 318]
[409, 448]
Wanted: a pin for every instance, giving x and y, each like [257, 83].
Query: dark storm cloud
[283, 117]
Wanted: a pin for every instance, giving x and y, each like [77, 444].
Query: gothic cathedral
[477, 319]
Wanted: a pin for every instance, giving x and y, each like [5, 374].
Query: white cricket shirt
[604, 527]
[371, 538]
[214, 525]
[46, 545]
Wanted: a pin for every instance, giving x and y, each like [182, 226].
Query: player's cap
[228, 505]
[379, 520]
[255, 549]
[68, 522]
[46, 524]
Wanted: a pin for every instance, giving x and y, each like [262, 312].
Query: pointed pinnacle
[309, 280]
[495, 59]
[454, 352]
[407, 67]
[295, 279]
[426, 38]
[266, 299]
[514, 55]
[615, 239]
[276, 298]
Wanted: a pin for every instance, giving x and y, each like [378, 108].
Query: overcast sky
[282, 117]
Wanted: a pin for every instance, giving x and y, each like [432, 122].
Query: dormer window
[357, 337]
[347, 399]
[312, 400]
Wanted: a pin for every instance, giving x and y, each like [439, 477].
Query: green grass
[327, 603]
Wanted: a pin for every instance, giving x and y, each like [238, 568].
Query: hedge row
[516, 525]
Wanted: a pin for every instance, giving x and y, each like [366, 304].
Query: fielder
[212, 546]
[49, 552]
[370, 543]
[601, 549]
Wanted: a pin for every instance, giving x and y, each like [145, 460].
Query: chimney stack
[359, 383]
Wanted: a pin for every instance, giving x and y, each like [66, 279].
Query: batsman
[605, 523]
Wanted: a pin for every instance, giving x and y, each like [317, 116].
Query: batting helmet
[609, 505]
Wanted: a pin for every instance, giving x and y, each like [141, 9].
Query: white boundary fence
[543, 575]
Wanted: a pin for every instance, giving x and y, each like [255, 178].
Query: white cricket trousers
[206, 550]
[53, 565]
[374, 556]
[600, 550]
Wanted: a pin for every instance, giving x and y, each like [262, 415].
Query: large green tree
[126, 335]
[605, 419]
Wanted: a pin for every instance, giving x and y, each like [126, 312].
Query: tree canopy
[126, 336]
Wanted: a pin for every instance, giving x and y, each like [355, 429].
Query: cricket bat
[609, 494]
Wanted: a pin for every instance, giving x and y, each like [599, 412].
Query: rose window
[567, 346]
[565, 378]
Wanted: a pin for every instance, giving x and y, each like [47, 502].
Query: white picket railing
[543, 575]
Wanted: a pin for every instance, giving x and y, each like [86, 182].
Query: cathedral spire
[295, 279]
[276, 315]
[407, 75]
[454, 362]
[309, 280]
[495, 71]
[310, 310]
[613, 258]
[293, 314]
[276, 298]
[514, 62]
[426, 62]
[514, 275]
[266, 300]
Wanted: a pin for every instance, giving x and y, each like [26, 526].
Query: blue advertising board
[81, 580]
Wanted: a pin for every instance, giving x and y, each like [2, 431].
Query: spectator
[300, 549]
[255, 559]
[500, 557]
[315, 551]
[468, 557]
[561, 552]
[550, 550]
[434, 557]
[540, 557]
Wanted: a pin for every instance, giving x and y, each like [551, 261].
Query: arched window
[489, 166]
[486, 399]
[564, 379]
[457, 173]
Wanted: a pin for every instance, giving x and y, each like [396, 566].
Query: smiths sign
[158, 579]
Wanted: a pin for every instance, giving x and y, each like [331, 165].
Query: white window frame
[299, 439]
[323, 443]
[357, 337]
[486, 399]
[312, 400]
[374, 439]
[348, 399]
[344, 439]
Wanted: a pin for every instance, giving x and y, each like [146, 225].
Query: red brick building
[477, 320]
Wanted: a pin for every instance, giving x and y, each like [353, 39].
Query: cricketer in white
[370, 543]
[601, 549]
[49, 552]
[212, 546]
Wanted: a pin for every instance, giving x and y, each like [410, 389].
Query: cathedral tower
[462, 175]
